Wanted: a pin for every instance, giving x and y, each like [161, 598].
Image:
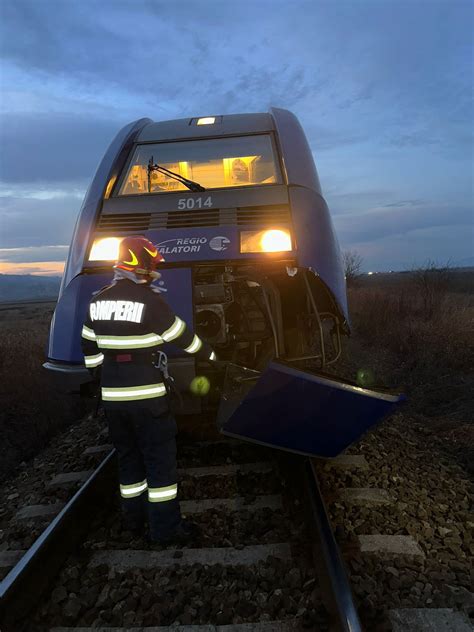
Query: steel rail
[22, 588]
[337, 593]
[26, 582]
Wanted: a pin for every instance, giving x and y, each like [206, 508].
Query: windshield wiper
[190, 184]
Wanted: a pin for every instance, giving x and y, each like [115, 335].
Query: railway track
[42, 488]
[390, 566]
[251, 567]
[253, 559]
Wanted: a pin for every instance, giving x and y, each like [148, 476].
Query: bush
[352, 262]
[432, 283]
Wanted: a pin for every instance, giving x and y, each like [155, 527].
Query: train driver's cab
[214, 163]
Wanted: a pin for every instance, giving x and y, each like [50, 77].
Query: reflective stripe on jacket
[126, 322]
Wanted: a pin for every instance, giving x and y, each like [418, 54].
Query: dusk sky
[383, 90]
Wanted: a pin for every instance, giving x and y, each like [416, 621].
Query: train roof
[296, 152]
[224, 125]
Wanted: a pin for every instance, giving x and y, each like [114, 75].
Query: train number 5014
[190, 203]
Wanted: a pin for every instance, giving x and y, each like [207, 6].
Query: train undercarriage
[278, 331]
[252, 314]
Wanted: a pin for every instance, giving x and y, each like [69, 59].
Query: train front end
[251, 259]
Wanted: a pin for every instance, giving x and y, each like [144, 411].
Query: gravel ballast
[273, 590]
[431, 501]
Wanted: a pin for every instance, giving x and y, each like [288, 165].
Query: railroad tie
[8, 559]
[346, 462]
[390, 545]
[69, 478]
[429, 620]
[98, 449]
[227, 556]
[38, 512]
[232, 504]
[226, 443]
[227, 470]
[365, 496]
[292, 625]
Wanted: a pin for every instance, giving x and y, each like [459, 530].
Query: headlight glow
[105, 249]
[274, 240]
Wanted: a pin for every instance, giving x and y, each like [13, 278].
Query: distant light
[207, 120]
[369, 272]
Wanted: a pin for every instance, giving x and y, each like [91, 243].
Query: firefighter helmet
[139, 255]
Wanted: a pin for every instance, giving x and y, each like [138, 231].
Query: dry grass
[32, 410]
[429, 354]
[396, 319]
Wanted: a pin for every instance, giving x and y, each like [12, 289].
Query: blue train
[234, 204]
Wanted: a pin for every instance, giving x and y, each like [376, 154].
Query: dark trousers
[146, 446]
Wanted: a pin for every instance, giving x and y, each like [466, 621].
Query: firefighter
[126, 324]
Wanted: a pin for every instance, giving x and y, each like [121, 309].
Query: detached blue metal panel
[297, 411]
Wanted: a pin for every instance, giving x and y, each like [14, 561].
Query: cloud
[41, 191]
[405, 203]
[37, 222]
[48, 254]
[382, 223]
[59, 37]
[52, 148]
[443, 244]
[46, 268]
[416, 138]
[325, 138]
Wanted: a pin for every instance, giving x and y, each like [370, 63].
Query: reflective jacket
[126, 324]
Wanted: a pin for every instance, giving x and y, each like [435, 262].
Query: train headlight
[275, 240]
[105, 249]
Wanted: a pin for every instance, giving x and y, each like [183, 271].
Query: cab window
[215, 163]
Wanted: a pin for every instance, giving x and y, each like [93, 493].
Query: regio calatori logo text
[186, 245]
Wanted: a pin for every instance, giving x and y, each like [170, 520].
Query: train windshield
[213, 163]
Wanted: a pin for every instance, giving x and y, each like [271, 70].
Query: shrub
[352, 262]
[432, 283]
